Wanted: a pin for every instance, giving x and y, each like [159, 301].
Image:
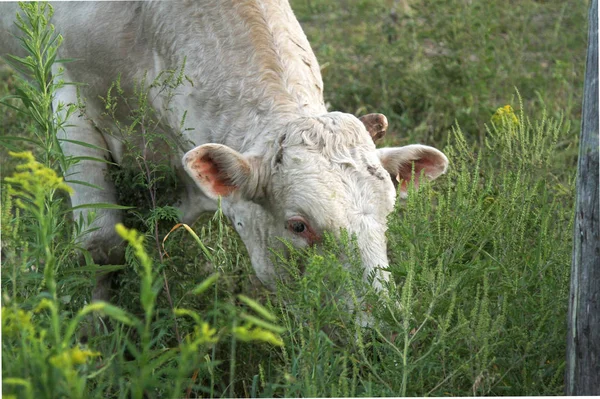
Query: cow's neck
[251, 65]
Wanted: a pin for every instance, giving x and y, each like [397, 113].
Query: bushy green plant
[145, 169]
[40, 352]
[482, 265]
[480, 257]
[42, 355]
[36, 94]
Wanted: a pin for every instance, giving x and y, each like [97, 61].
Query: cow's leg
[103, 244]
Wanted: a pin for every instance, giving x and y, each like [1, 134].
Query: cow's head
[319, 174]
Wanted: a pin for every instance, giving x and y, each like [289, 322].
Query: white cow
[262, 137]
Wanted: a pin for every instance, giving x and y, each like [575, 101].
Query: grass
[481, 257]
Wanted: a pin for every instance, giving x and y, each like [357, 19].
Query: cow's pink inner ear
[218, 170]
[431, 168]
[427, 161]
[213, 178]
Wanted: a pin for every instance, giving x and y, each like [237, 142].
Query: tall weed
[42, 355]
[481, 259]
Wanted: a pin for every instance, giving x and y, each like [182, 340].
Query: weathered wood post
[583, 340]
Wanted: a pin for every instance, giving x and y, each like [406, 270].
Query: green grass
[481, 257]
[450, 60]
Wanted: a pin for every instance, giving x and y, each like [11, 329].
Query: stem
[404, 363]
[232, 362]
[214, 348]
[171, 305]
[152, 192]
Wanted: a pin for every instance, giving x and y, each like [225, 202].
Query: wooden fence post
[583, 338]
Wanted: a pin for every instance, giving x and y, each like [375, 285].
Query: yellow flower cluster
[15, 321]
[73, 357]
[505, 116]
[34, 179]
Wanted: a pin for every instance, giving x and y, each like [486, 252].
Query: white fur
[257, 90]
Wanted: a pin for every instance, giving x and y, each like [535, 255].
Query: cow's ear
[376, 125]
[399, 161]
[221, 171]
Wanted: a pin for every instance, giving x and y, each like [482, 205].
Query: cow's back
[249, 60]
[223, 39]
[94, 34]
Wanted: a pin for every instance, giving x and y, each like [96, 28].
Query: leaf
[164, 355]
[102, 269]
[248, 334]
[106, 308]
[120, 315]
[193, 234]
[101, 160]
[101, 205]
[17, 138]
[84, 144]
[83, 183]
[179, 312]
[19, 110]
[207, 283]
[164, 213]
[262, 323]
[107, 364]
[257, 307]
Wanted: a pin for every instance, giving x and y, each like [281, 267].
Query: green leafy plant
[480, 258]
[42, 355]
[38, 93]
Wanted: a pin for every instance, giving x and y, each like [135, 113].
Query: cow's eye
[296, 226]
[301, 228]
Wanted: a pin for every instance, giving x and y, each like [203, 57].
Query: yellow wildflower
[72, 357]
[202, 335]
[80, 356]
[505, 116]
[15, 321]
[34, 180]
[205, 333]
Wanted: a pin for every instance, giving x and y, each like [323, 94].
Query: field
[481, 257]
